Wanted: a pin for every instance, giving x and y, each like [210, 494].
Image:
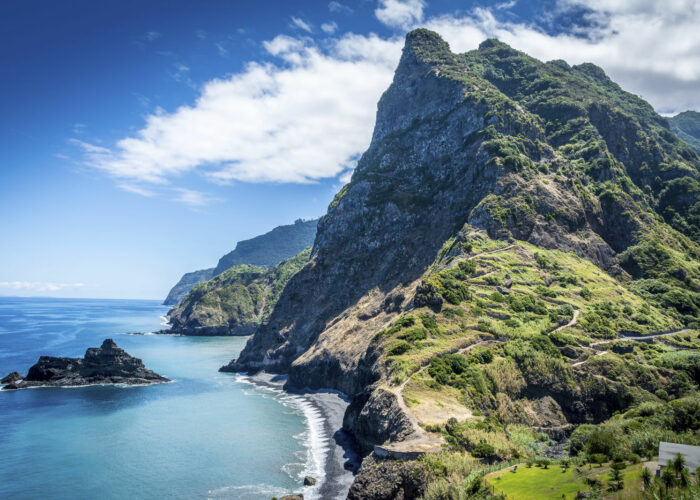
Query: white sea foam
[313, 438]
[165, 321]
[246, 489]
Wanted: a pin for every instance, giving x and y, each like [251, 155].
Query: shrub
[545, 292]
[601, 442]
[414, 334]
[399, 348]
[429, 322]
[586, 293]
[467, 267]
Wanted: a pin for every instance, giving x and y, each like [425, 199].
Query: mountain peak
[428, 47]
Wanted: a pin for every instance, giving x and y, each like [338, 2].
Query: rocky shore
[107, 364]
[340, 456]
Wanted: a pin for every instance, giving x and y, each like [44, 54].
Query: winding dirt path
[571, 323]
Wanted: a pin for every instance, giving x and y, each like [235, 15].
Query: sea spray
[313, 438]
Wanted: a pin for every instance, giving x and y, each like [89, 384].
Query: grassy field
[552, 484]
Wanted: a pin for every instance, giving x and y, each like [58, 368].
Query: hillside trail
[638, 338]
[571, 323]
[420, 439]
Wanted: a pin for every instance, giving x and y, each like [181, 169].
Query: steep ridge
[266, 250]
[488, 149]
[235, 302]
[186, 283]
[686, 126]
[271, 248]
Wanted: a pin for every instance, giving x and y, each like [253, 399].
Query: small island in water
[108, 364]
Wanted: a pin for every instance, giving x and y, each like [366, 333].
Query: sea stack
[107, 364]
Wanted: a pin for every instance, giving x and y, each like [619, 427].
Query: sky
[142, 139]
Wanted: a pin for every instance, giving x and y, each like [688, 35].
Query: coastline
[334, 456]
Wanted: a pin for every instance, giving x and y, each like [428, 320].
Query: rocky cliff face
[107, 364]
[187, 283]
[554, 155]
[266, 250]
[271, 248]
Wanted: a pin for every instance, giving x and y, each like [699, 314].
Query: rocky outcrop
[107, 364]
[376, 417]
[388, 480]
[12, 378]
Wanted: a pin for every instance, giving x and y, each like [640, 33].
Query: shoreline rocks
[107, 364]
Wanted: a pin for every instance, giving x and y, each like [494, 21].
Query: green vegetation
[271, 248]
[242, 296]
[686, 126]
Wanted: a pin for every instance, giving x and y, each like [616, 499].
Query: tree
[678, 464]
[616, 482]
[668, 476]
[646, 478]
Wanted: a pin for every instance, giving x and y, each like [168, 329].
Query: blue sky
[142, 139]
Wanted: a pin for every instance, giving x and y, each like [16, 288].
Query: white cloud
[311, 114]
[37, 286]
[400, 13]
[301, 24]
[329, 28]
[298, 123]
[650, 48]
[152, 35]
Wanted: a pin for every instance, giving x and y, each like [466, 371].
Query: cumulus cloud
[38, 286]
[297, 123]
[650, 48]
[400, 13]
[309, 113]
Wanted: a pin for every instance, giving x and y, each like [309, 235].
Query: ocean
[204, 435]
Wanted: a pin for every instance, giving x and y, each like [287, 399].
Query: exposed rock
[12, 377]
[377, 418]
[309, 481]
[107, 364]
[388, 480]
[293, 497]
[187, 283]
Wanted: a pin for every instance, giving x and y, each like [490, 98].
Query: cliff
[271, 248]
[266, 250]
[236, 301]
[107, 364]
[511, 222]
[186, 283]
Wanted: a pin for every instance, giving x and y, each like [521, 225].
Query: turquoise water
[205, 435]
